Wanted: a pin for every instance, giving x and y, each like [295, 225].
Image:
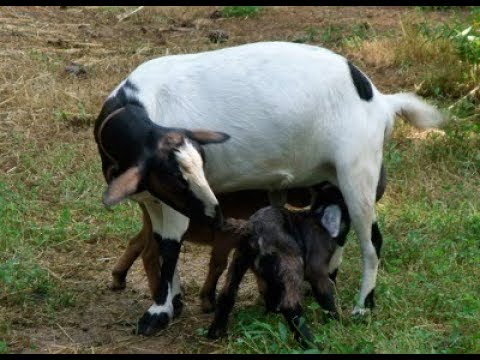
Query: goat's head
[168, 163]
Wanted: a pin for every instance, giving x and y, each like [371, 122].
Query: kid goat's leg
[242, 260]
[322, 286]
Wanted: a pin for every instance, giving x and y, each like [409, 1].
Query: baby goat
[283, 248]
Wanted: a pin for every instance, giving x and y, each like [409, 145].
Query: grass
[56, 239]
[240, 11]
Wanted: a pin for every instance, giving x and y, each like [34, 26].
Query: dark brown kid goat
[283, 248]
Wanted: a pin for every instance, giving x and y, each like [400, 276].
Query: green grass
[3, 347]
[240, 11]
[435, 8]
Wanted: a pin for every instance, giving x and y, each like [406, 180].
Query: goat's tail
[238, 227]
[415, 110]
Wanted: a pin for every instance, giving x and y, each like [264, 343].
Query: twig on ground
[471, 92]
[123, 17]
[66, 334]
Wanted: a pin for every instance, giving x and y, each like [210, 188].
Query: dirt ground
[102, 321]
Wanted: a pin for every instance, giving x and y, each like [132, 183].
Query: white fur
[294, 117]
[191, 166]
[166, 222]
[167, 307]
[176, 289]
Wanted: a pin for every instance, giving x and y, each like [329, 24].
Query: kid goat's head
[168, 163]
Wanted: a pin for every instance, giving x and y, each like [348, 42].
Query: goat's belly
[230, 170]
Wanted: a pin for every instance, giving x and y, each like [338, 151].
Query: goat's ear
[122, 186]
[204, 137]
[331, 219]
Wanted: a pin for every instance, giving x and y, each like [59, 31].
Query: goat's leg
[296, 322]
[218, 263]
[152, 264]
[242, 260]
[323, 290]
[290, 300]
[168, 228]
[134, 248]
[358, 183]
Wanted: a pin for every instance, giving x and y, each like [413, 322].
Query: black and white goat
[283, 248]
[296, 115]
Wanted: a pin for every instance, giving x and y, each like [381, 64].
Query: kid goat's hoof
[215, 332]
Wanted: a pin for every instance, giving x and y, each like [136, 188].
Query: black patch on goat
[361, 82]
[169, 250]
[377, 238]
[127, 94]
[333, 275]
[369, 302]
[382, 183]
[120, 99]
[124, 136]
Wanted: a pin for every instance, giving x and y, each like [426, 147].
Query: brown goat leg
[132, 252]
[152, 265]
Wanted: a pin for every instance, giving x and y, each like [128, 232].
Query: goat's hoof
[207, 303]
[359, 311]
[117, 285]
[119, 281]
[149, 324]
[216, 332]
[177, 305]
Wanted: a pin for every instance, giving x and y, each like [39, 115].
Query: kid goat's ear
[331, 219]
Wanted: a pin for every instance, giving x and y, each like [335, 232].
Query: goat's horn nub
[99, 134]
